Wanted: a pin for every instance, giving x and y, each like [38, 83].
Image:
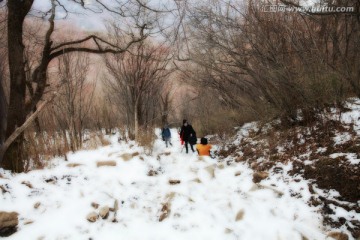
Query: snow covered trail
[212, 200]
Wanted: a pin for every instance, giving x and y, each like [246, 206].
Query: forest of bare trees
[233, 61]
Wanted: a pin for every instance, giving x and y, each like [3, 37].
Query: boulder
[8, 223]
[104, 212]
[259, 176]
[92, 217]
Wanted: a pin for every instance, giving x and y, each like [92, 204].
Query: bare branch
[25, 125]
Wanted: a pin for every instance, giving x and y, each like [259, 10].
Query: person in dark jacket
[166, 135]
[187, 133]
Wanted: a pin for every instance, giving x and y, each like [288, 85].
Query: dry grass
[146, 139]
[42, 147]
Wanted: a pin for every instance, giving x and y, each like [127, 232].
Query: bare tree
[3, 105]
[3, 56]
[272, 62]
[137, 13]
[75, 98]
[136, 79]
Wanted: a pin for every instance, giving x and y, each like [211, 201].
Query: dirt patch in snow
[338, 174]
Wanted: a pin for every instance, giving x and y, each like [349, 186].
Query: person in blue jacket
[166, 135]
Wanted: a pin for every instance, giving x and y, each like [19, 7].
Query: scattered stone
[115, 209]
[126, 156]
[92, 217]
[259, 176]
[173, 182]
[3, 189]
[237, 174]
[37, 205]
[240, 215]
[338, 235]
[104, 212]
[95, 205]
[152, 173]
[51, 180]
[135, 154]
[106, 163]
[165, 212]
[27, 222]
[72, 165]
[27, 183]
[197, 180]
[8, 223]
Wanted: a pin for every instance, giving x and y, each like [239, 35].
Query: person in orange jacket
[203, 148]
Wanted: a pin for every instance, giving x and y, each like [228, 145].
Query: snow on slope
[213, 200]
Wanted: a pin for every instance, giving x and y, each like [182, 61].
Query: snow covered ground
[213, 200]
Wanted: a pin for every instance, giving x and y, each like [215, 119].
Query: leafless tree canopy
[136, 81]
[32, 55]
[273, 62]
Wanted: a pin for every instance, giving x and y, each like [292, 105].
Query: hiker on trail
[203, 148]
[188, 135]
[166, 135]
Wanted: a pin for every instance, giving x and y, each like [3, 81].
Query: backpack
[193, 139]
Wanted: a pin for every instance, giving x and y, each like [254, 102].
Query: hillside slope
[325, 153]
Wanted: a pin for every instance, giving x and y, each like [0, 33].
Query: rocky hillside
[326, 153]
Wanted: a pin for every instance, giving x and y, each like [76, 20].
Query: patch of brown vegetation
[338, 174]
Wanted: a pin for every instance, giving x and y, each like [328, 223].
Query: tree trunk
[3, 112]
[17, 10]
[136, 122]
